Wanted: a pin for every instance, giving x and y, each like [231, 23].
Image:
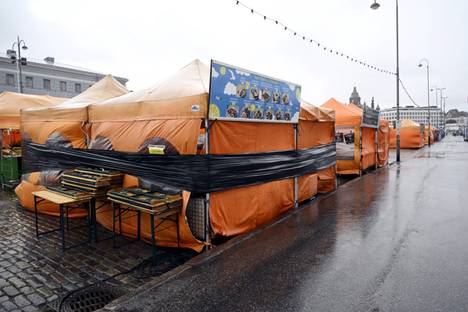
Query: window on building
[63, 86]
[29, 82]
[46, 84]
[77, 88]
[10, 79]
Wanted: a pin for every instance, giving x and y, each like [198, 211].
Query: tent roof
[181, 96]
[344, 115]
[74, 109]
[314, 113]
[11, 104]
[407, 123]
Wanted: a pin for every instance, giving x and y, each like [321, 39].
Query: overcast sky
[145, 41]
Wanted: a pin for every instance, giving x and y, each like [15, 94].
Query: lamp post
[19, 44]
[375, 6]
[442, 110]
[428, 100]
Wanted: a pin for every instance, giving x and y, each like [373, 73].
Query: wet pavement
[35, 273]
[393, 240]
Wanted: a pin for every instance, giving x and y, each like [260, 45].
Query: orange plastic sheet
[429, 134]
[63, 125]
[316, 126]
[383, 143]
[240, 210]
[411, 135]
[364, 138]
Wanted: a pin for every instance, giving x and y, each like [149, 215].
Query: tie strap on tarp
[195, 173]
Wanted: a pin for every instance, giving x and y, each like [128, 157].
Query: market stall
[173, 117]
[411, 135]
[382, 138]
[355, 137]
[11, 104]
[429, 133]
[63, 125]
[383, 142]
[316, 127]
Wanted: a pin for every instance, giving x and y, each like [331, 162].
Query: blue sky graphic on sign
[243, 95]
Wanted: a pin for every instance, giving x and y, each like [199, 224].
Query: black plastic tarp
[195, 173]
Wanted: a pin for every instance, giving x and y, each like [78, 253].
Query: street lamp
[19, 44]
[375, 6]
[428, 100]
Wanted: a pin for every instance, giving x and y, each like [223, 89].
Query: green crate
[10, 168]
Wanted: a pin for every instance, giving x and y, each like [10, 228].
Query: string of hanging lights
[314, 42]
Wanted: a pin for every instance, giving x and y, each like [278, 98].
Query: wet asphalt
[394, 240]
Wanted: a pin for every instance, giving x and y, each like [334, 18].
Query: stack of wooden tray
[96, 182]
[142, 198]
[65, 191]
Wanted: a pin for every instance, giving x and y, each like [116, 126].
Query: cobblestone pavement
[35, 273]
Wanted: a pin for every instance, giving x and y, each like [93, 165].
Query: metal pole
[296, 185]
[437, 105]
[18, 65]
[397, 88]
[428, 107]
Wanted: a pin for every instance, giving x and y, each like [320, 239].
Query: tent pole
[360, 151]
[296, 187]
[376, 147]
[207, 196]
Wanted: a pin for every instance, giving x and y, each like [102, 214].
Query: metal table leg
[113, 224]
[177, 226]
[62, 226]
[35, 216]
[153, 240]
[138, 225]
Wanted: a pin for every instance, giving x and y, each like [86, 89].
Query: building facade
[46, 77]
[417, 114]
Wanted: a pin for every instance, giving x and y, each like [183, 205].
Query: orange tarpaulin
[364, 155]
[411, 135]
[60, 125]
[429, 134]
[316, 127]
[383, 143]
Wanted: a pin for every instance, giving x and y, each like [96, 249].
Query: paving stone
[6, 275]
[11, 291]
[36, 299]
[21, 301]
[9, 306]
[13, 269]
[30, 309]
[4, 298]
[18, 283]
[27, 290]
[3, 283]
[34, 282]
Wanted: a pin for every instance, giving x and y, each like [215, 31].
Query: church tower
[355, 98]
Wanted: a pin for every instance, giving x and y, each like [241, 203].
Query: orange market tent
[432, 132]
[11, 103]
[383, 142]
[411, 135]
[357, 150]
[61, 125]
[174, 114]
[383, 138]
[316, 127]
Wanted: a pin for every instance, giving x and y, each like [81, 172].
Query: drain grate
[91, 298]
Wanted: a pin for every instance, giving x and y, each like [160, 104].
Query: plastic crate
[10, 168]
